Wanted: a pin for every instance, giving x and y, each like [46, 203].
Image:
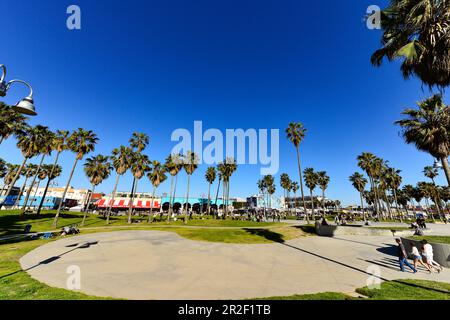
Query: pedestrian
[403, 257]
[417, 257]
[427, 251]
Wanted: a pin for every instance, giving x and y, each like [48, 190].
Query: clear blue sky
[154, 66]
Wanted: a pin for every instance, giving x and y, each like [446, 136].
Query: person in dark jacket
[403, 257]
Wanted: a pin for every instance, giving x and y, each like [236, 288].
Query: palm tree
[11, 122]
[359, 183]
[311, 180]
[394, 180]
[45, 148]
[121, 161]
[322, 180]
[428, 128]
[270, 186]
[27, 172]
[139, 167]
[370, 164]
[59, 144]
[431, 172]
[190, 164]
[408, 191]
[97, 169]
[210, 177]
[41, 176]
[173, 166]
[29, 142]
[80, 142]
[285, 183]
[9, 174]
[262, 189]
[3, 171]
[157, 175]
[52, 172]
[418, 32]
[138, 142]
[229, 167]
[295, 187]
[296, 133]
[427, 190]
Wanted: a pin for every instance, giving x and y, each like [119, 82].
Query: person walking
[427, 251]
[417, 257]
[403, 257]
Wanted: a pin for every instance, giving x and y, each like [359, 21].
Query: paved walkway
[162, 265]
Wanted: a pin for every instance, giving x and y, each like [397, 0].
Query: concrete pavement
[162, 265]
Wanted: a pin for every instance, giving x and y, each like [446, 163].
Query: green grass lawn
[12, 223]
[316, 296]
[433, 239]
[409, 290]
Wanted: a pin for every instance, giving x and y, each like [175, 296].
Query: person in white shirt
[417, 257]
[427, 252]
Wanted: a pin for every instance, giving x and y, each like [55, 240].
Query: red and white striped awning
[122, 204]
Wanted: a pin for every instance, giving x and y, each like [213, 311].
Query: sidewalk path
[142, 264]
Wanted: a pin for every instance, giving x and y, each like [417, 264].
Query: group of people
[425, 257]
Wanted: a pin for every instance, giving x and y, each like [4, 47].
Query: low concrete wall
[441, 251]
[333, 230]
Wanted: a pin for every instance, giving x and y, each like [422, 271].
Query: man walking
[403, 257]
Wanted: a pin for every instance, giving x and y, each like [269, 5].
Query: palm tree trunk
[22, 189]
[55, 221]
[150, 215]
[48, 183]
[25, 203]
[43, 196]
[323, 202]
[186, 212]
[16, 176]
[362, 206]
[217, 195]
[130, 206]
[169, 212]
[35, 192]
[446, 168]
[88, 205]
[111, 201]
[301, 183]
[312, 203]
[396, 203]
[208, 207]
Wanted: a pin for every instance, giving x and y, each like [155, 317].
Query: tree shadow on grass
[267, 234]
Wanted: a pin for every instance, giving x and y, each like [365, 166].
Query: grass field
[433, 239]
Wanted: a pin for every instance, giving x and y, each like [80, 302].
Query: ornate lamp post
[26, 105]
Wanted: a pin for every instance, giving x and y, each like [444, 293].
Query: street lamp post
[26, 105]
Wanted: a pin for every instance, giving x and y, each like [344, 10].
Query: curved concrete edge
[358, 230]
[441, 251]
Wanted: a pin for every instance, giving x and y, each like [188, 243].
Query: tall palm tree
[3, 172]
[121, 161]
[394, 180]
[97, 169]
[229, 167]
[59, 144]
[270, 185]
[139, 167]
[173, 166]
[322, 180]
[29, 142]
[138, 142]
[359, 183]
[295, 187]
[418, 32]
[368, 162]
[311, 180]
[80, 142]
[41, 176]
[262, 189]
[52, 172]
[408, 191]
[210, 177]
[285, 183]
[45, 149]
[11, 122]
[295, 132]
[428, 191]
[9, 174]
[156, 175]
[428, 128]
[190, 164]
[28, 172]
